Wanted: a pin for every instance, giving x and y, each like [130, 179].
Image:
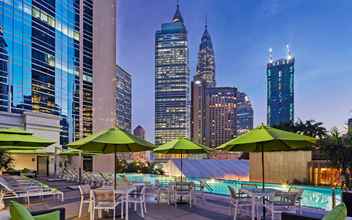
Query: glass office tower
[4, 81]
[280, 90]
[172, 111]
[45, 41]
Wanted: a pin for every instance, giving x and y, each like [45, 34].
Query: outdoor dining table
[123, 190]
[257, 194]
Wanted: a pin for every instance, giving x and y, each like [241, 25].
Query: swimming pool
[315, 197]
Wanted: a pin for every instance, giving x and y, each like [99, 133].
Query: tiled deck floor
[214, 208]
[202, 211]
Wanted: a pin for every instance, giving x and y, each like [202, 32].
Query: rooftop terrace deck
[214, 208]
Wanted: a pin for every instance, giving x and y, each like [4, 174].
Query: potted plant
[6, 162]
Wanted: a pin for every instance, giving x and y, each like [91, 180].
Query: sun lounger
[16, 188]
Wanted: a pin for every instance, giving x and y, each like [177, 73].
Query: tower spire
[177, 17]
[270, 55]
[206, 22]
[289, 54]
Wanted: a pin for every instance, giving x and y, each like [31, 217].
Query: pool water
[315, 197]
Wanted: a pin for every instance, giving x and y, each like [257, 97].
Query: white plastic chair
[280, 202]
[138, 197]
[104, 200]
[85, 197]
[237, 202]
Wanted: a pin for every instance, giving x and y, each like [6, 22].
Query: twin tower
[208, 114]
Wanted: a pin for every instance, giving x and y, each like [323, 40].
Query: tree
[6, 161]
[310, 128]
[337, 148]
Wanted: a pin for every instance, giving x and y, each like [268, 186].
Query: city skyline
[241, 42]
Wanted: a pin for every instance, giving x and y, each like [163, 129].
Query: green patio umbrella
[112, 140]
[28, 150]
[12, 137]
[74, 152]
[181, 146]
[266, 139]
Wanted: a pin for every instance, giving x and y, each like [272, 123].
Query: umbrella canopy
[112, 140]
[270, 139]
[28, 150]
[12, 137]
[266, 139]
[74, 152]
[181, 146]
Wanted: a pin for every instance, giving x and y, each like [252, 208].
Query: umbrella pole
[181, 167]
[263, 181]
[80, 167]
[115, 168]
[181, 199]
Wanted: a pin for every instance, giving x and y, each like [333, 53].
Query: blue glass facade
[43, 67]
[4, 80]
[172, 110]
[280, 89]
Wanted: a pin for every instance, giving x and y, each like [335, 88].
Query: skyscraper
[172, 110]
[244, 113]
[220, 115]
[349, 126]
[123, 99]
[4, 81]
[50, 63]
[206, 60]
[204, 78]
[280, 90]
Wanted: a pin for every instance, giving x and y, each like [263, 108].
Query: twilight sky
[319, 33]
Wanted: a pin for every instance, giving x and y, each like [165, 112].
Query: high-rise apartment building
[123, 99]
[50, 63]
[172, 110]
[280, 90]
[220, 115]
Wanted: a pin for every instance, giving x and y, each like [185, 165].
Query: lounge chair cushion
[19, 212]
[49, 216]
[338, 213]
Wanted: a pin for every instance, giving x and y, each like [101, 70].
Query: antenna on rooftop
[289, 54]
[206, 21]
[270, 55]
